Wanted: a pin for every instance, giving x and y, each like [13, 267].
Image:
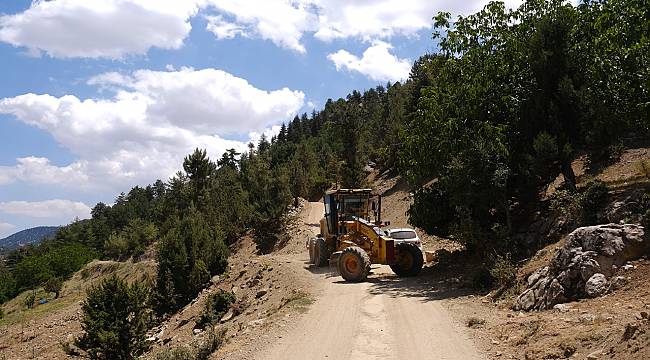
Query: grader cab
[351, 237]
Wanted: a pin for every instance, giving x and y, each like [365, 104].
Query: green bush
[179, 353]
[503, 271]
[582, 208]
[199, 350]
[29, 300]
[53, 285]
[115, 320]
[593, 200]
[216, 307]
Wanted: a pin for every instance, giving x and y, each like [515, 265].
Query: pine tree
[115, 320]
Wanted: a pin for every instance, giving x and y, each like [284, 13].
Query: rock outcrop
[583, 266]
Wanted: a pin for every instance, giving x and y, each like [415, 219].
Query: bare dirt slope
[384, 318]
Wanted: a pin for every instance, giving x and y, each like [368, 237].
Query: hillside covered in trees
[479, 129]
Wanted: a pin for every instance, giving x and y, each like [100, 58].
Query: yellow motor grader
[352, 239]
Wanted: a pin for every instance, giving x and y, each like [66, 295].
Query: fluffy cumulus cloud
[46, 209]
[376, 63]
[142, 132]
[285, 21]
[117, 28]
[281, 21]
[99, 28]
[381, 19]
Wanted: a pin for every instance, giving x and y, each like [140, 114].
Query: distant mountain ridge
[28, 236]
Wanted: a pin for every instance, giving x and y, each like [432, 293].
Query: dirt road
[383, 318]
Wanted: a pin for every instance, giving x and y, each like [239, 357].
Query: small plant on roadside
[474, 322]
[2, 313]
[503, 271]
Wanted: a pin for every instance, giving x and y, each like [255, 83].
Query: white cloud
[286, 21]
[382, 19]
[255, 136]
[143, 131]
[223, 29]
[47, 209]
[99, 28]
[5, 229]
[117, 28]
[281, 21]
[377, 63]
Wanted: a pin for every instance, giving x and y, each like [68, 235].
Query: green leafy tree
[53, 285]
[115, 320]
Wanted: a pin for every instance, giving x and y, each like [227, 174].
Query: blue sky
[99, 96]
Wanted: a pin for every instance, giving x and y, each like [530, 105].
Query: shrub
[115, 320]
[582, 208]
[179, 353]
[210, 343]
[30, 299]
[199, 350]
[503, 271]
[53, 285]
[644, 167]
[593, 199]
[2, 313]
[216, 307]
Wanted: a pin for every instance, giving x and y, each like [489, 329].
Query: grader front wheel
[409, 260]
[321, 254]
[354, 264]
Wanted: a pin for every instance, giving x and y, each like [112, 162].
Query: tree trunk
[567, 172]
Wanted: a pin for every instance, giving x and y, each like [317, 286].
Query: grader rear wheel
[354, 264]
[409, 260]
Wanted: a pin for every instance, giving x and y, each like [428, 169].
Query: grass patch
[297, 299]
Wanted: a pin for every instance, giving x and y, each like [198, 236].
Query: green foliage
[50, 260]
[582, 208]
[198, 350]
[30, 299]
[179, 353]
[53, 285]
[216, 307]
[593, 199]
[503, 271]
[188, 256]
[115, 320]
[509, 100]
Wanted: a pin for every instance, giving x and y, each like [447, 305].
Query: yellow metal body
[358, 231]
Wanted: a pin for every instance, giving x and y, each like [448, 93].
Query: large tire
[321, 253]
[354, 264]
[312, 247]
[409, 260]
